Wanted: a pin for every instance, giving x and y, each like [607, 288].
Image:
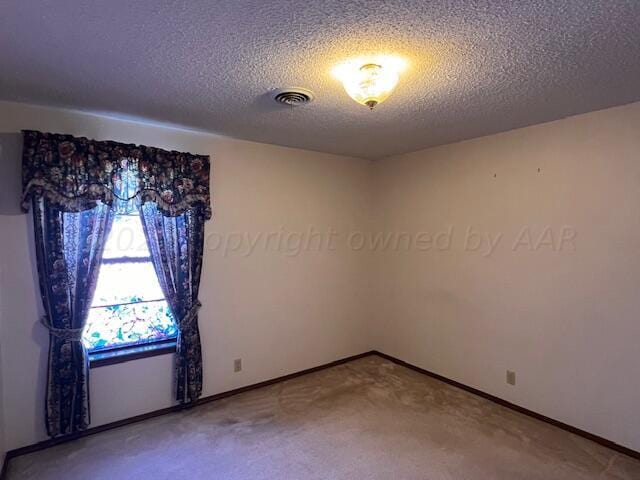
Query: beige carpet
[368, 419]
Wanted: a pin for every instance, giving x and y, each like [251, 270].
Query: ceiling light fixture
[370, 83]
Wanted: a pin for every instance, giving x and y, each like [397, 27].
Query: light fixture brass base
[371, 104]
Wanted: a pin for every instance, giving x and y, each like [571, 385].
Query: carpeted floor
[367, 419]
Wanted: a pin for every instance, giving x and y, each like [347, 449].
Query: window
[128, 307]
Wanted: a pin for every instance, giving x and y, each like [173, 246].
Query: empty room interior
[332, 240]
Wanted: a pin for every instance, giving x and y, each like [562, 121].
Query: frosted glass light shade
[371, 84]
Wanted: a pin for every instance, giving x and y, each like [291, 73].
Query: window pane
[125, 283]
[128, 324]
[126, 238]
[128, 306]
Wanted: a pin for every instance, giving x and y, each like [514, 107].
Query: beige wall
[277, 311]
[560, 314]
[564, 319]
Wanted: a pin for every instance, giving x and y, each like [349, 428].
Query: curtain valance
[74, 173]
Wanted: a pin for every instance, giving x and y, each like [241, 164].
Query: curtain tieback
[188, 319]
[72, 334]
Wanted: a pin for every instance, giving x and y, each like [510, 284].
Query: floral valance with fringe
[76, 173]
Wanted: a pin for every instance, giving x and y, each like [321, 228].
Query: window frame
[126, 353]
[123, 353]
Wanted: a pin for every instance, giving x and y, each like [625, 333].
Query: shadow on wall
[39, 334]
[11, 173]
[20, 302]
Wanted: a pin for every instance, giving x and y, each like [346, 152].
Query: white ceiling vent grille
[293, 96]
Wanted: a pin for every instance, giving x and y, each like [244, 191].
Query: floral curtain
[77, 173]
[69, 248]
[75, 185]
[176, 245]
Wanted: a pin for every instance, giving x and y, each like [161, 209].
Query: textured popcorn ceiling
[475, 67]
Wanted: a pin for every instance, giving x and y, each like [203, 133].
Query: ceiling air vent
[292, 96]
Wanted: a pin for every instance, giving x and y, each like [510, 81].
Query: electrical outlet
[237, 365]
[511, 377]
